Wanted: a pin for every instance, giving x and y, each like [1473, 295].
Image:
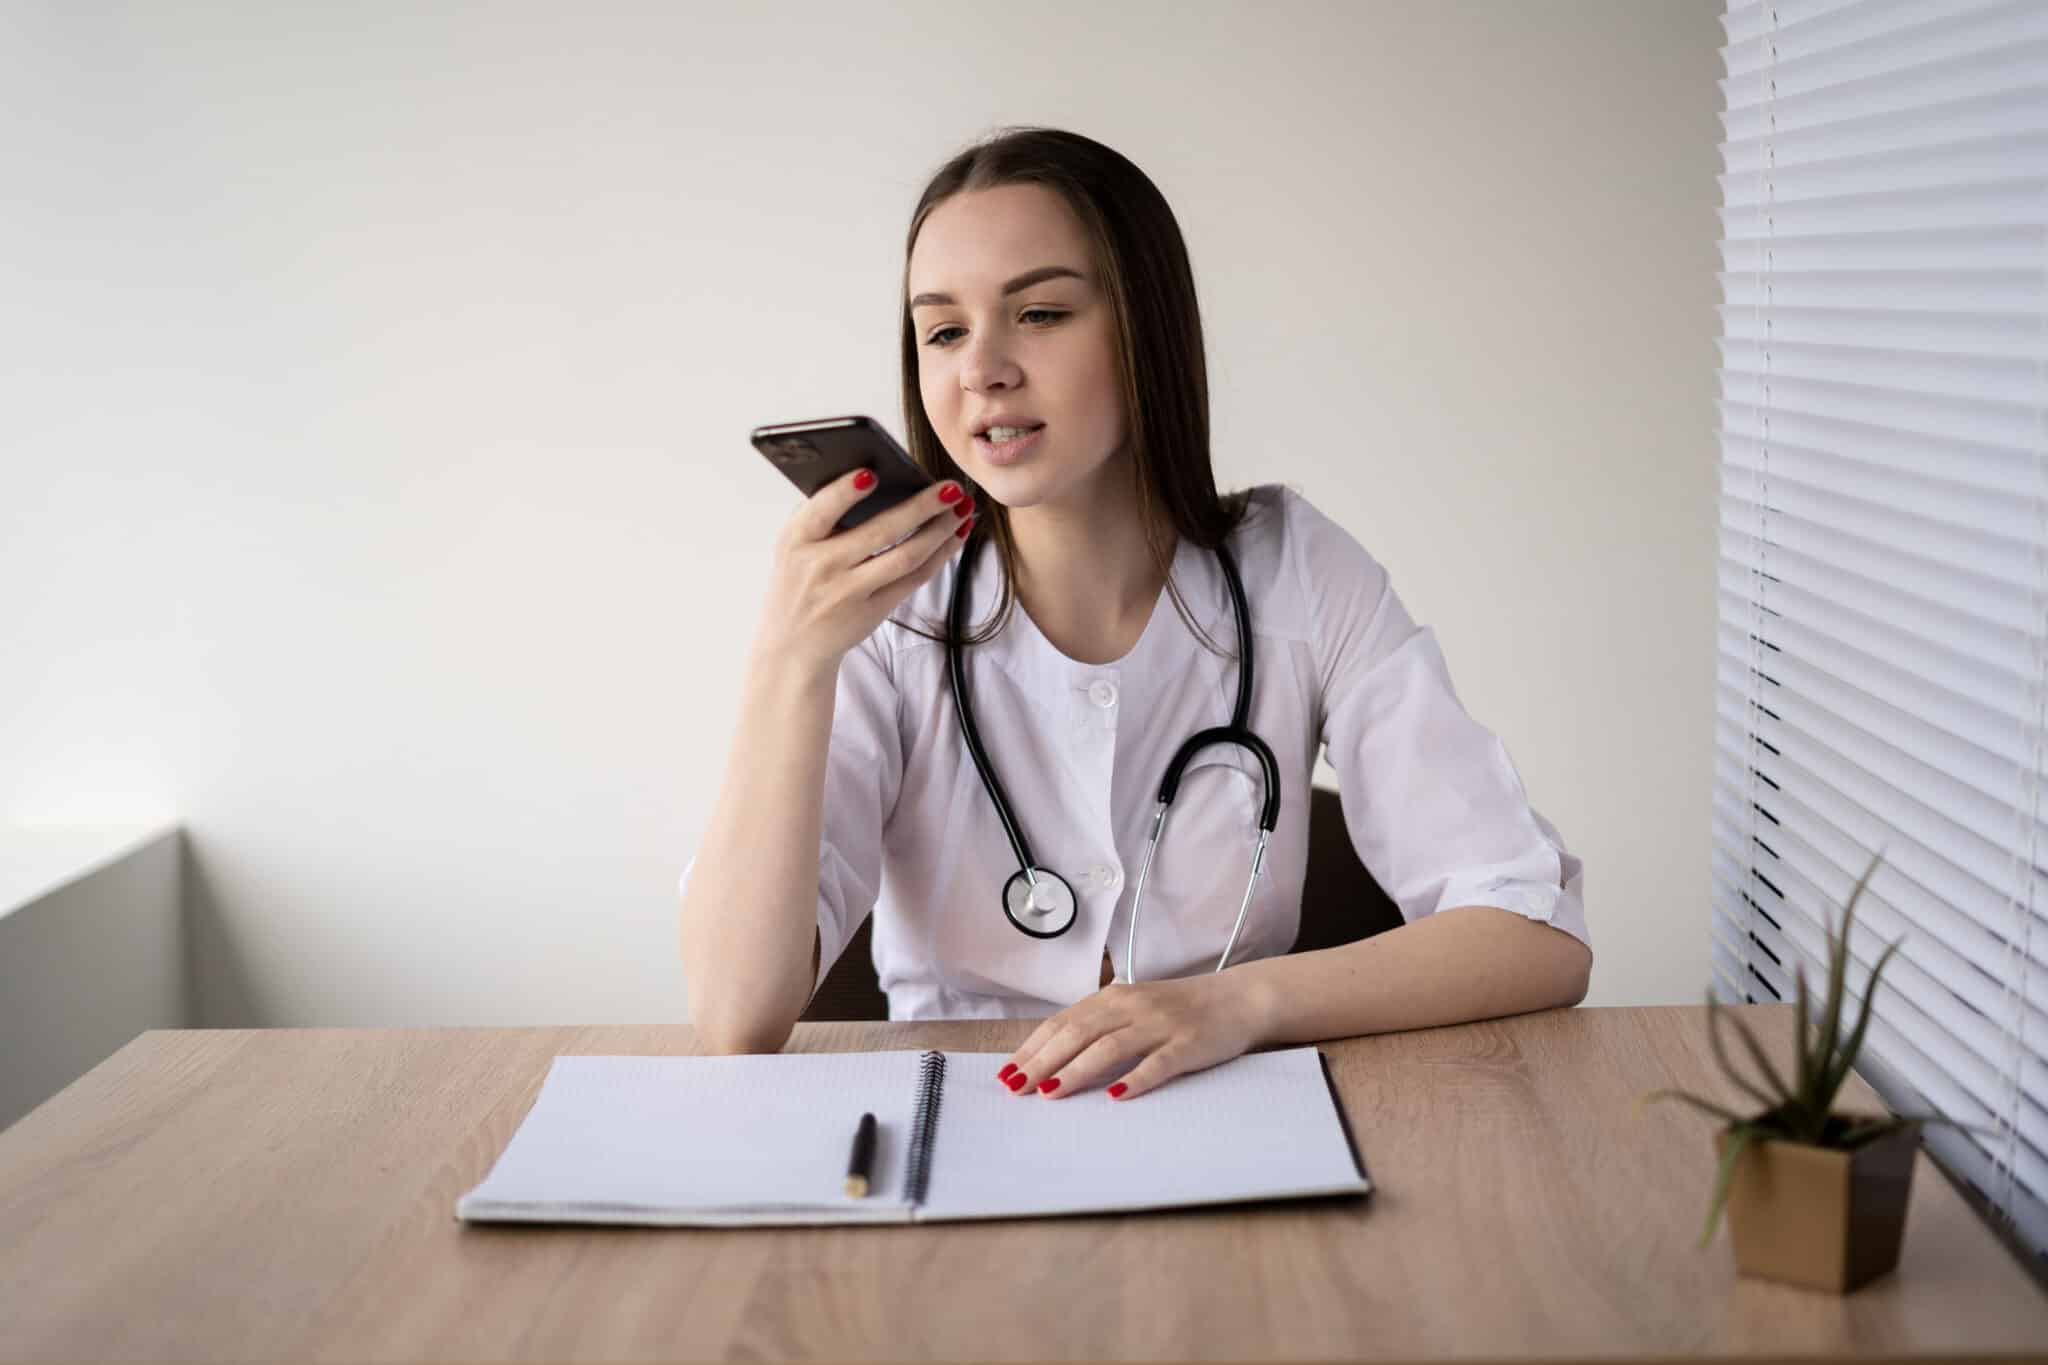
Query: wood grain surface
[289, 1194]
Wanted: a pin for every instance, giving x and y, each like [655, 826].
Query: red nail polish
[1048, 1086]
[1004, 1074]
[1018, 1081]
[967, 526]
[950, 493]
[1117, 1089]
[965, 506]
[864, 480]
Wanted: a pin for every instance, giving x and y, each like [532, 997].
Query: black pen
[862, 1164]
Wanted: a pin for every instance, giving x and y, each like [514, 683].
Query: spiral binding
[923, 1119]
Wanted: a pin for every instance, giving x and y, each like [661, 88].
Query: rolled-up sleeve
[863, 773]
[1434, 805]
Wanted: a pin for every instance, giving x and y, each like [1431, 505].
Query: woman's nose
[988, 366]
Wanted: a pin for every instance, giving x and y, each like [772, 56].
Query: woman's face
[1041, 355]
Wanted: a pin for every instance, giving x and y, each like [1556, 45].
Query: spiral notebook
[746, 1141]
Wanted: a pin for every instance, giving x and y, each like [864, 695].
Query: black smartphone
[812, 454]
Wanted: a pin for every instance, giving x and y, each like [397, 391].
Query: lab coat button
[1102, 692]
[1104, 875]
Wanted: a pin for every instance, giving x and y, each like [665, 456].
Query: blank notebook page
[1259, 1126]
[729, 1139]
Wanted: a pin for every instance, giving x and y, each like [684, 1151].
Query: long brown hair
[1142, 263]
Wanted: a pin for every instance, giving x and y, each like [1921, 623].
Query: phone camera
[794, 450]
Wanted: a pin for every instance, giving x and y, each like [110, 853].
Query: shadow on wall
[91, 951]
[217, 980]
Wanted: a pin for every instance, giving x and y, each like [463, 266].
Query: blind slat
[1989, 378]
[2003, 203]
[1977, 692]
[1952, 861]
[2001, 426]
[1966, 591]
[1885, 54]
[1958, 741]
[1935, 519]
[1974, 927]
[1993, 108]
[1833, 453]
[1871, 247]
[1948, 991]
[1892, 297]
[1994, 160]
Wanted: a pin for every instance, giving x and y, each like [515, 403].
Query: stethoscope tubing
[1044, 891]
[956, 675]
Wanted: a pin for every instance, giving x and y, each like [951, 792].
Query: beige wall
[374, 495]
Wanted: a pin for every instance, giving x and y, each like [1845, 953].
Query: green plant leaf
[1695, 1101]
[1756, 1053]
[1832, 1079]
[1838, 970]
[1805, 1026]
[1738, 1142]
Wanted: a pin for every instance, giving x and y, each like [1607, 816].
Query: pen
[862, 1164]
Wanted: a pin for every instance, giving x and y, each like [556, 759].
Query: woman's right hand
[828, 592]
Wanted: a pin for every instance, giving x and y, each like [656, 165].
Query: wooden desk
[289, 1195]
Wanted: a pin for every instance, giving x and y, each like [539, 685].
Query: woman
[1048, 296]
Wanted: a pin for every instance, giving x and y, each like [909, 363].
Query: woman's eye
[942, 337]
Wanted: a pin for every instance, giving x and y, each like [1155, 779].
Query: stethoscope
[1038, 900]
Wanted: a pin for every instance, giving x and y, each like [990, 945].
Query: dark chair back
[1340, 903]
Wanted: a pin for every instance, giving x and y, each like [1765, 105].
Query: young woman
[1054, 385]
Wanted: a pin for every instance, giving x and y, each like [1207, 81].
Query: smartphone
[812, 454]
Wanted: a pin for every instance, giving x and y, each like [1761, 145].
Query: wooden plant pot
[1816, 1216]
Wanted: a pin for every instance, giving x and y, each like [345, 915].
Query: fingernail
[1117, 1089]
[1047, 1087]
[864, 480]
[950, 493]
[961, 534]
[1004, 1074]
[1018, 1081]
[966, 506]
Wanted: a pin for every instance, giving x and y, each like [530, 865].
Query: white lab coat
[1435, 807]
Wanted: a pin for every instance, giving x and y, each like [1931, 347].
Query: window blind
[1883, 572]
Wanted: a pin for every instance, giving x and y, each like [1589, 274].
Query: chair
[1340, 903]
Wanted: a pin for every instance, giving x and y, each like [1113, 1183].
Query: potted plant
[1814, 1197]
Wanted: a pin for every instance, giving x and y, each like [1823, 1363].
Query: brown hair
[1142, 264]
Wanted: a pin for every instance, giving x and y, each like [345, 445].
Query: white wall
[374, 495]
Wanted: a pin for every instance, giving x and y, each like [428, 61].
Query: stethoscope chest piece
[1039, 902]
[1042, 909]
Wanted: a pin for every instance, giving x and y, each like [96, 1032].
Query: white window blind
[1883, 597]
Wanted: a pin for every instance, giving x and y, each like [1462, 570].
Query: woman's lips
[1007, 452]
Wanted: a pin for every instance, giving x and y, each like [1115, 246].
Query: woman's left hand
[1165, 1028]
